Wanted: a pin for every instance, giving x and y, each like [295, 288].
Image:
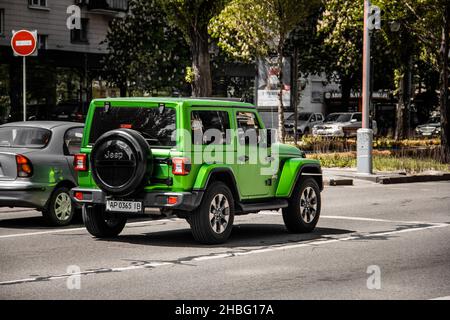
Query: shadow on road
[243, 235]
[37, 223]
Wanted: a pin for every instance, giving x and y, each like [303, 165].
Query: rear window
[157, 125]
[24, 137]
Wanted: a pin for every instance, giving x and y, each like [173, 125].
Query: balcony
[107, 6]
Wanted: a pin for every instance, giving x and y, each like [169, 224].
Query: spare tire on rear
[121, 162]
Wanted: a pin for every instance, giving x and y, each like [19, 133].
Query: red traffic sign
[24, 42]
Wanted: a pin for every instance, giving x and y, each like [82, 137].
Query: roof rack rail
[220, 99]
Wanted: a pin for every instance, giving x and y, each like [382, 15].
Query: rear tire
[212, 222]
[302, 214]
[60, 208]
[102, 224]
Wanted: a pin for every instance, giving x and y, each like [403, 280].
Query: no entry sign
[24, 42]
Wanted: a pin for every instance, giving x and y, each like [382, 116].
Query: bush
[382, 161]
[337, 144]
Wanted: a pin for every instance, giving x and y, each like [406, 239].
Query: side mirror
[353, 121]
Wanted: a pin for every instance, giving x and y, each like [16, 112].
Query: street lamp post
[365, 134]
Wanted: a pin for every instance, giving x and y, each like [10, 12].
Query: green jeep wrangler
[202, 160]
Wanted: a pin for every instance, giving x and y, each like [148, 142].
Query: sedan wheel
[63, 206]
[60, 209]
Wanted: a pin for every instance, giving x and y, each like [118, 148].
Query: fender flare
[303, 167]
[210, 170]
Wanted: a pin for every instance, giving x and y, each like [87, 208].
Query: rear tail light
[24, 166]
[78, 196]
[82, 196]
[181, 166]
[172, 200]
[80, 162]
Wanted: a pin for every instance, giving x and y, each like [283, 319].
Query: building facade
[70, 48]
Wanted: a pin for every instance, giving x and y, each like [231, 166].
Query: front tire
[213, 221]
[60, 209]
[302, 214]
[102, 224]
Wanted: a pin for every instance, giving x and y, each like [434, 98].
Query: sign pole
[23, 44]
[24, 89]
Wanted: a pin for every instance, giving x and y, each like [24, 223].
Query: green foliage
[246, 29]
[189, 78]
[143, 52]
[190, 16]
[325, 144]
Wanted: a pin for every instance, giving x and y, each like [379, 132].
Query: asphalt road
[372, 242]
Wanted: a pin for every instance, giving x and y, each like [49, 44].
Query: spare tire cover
[121, 162]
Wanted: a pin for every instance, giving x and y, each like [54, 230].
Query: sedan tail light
[24, 166]
[181, 166]
[80, 162]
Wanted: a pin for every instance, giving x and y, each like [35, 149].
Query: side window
[210, 127]
[357, 116]
[248, 127]
[319, 117]
[313, 118]
[72, 141]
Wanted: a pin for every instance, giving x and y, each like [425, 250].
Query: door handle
[243, 158]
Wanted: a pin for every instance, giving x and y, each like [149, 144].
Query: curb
[412, 179]
[338, 182]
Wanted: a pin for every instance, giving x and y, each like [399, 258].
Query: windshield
[338, 117]
[24, 137]
[155, 124]
[301, 116]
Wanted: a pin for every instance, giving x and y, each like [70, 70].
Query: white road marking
[178, 219]
[376, 220]
[359, 218]
[81, 229]
[442, 298]
[271, 248]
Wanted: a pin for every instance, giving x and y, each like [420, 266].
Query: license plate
[124, 206]
[426, 133]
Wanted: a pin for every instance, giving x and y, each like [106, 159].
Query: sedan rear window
[24, 137]
[157, 125]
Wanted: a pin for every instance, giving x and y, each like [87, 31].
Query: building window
[37, 3]
[2, 22]
[80, 35]
[42, 41]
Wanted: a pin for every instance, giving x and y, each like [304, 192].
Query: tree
[144, 54]
[342, 29]
[246, 29]
[432, 27]
[192, 17]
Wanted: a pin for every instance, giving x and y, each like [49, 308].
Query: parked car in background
[68, 111]
[306, 122]
[343, 124]
[430, 129]
[36, 167]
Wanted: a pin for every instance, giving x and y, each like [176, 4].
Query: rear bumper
[24, 194]
[186, 201]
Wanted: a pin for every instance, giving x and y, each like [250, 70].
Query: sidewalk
[340, 176]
